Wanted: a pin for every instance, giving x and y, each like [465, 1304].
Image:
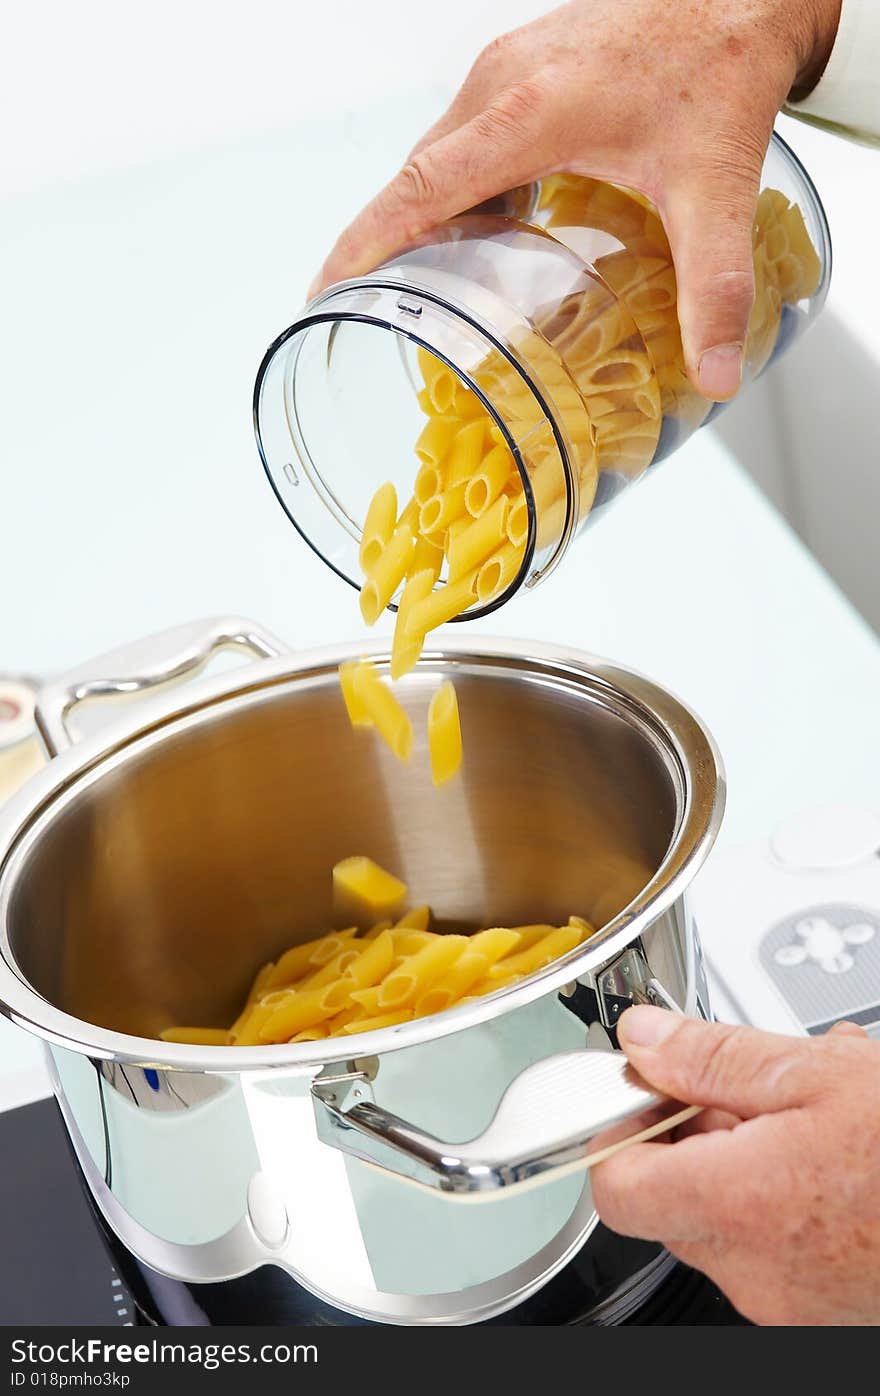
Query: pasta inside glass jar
[509, 375]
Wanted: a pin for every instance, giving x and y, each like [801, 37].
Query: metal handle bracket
[557, 1116]
[150, 664]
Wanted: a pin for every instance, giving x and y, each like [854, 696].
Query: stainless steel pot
[152, 866]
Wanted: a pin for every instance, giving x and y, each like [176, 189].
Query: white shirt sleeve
[847, 95]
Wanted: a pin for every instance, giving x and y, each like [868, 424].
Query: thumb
[710, 233]
[740, 1070]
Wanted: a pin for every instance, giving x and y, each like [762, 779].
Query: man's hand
[774, 1191]
[676, 100]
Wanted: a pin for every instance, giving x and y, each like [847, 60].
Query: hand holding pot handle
[772, 1192]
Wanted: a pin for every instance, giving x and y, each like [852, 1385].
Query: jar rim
[320, 313]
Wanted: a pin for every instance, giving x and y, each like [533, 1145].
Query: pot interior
[166, 876]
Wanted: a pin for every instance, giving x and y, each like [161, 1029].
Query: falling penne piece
[407, 645]
[357, 713]
[444, 734]
[386, 713]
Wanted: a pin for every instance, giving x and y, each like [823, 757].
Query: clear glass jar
[552, 310]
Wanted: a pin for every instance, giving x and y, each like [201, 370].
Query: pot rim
[677, 733]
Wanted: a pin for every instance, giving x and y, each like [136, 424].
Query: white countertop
[136, 308]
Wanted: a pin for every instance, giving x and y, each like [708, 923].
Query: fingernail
[645, 1026]
[720, 371]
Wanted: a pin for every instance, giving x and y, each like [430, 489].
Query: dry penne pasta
[466, 452]
[334, 1026]
[418, 918]
[263, 982]
[442, 605]
[530, 935]
[442, 509]
[314, 1034]
[357, 713]
[444, 734]
[610, 355]
[429, 482]
[377, 929]
[435, 440]
[366, 1000]
[198, 1037]
[406, 645]
[332, 970]
[387, 574]
[487, 480]
[300, 960]
[403, 985]
[409, 939]
[373, 964]
[300, 1009]
[360, 883]
[481, 952]
[427, 557]
[378, 525]
[497, 573]
[386, 713]
[478, 540]
[557, 942]
[517, 524]
[245, 1031]
[348, 981]
[440, 381]
[383, 1020]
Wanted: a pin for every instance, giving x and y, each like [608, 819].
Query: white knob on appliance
[834, 837]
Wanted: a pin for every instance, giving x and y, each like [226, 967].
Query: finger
[847, 1029]
[497, 67]
[664, 1192]
[707, 1122]
[709, 221]
[474, 97]
[740, 1070]
[501, 147]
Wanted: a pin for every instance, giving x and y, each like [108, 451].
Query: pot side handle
[146, 665]
[562, 1114]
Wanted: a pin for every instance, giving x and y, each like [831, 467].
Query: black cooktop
[55, 1268]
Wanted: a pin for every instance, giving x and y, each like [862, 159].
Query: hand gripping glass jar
[525, 356]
